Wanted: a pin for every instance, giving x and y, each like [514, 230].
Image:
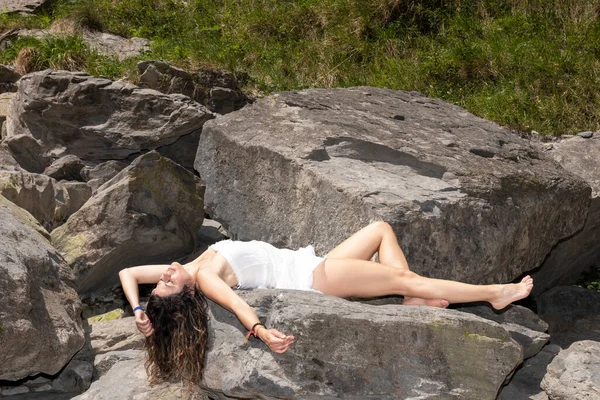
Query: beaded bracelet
[252, 332]
[138, 308]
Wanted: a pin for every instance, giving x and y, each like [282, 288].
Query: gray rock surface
[525, 383]
[468, 199]
[103, 42]
[356, 351]
[75, 377]
[524, 326]
[5, 99]
[148, 213]
[574, 255]
[96, 176]
[127, 379]
[27, 152]
[219, 91]
[8, 75]
[98, 119]
[574, 374]
[47, 200]
[79, 193]
[67, 167]
[21, 6]
[572, 314]
[114, 45]
[109, 336]
[7, 161]
[39, 309]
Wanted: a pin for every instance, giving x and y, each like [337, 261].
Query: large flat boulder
[577, 253]
[468, 199]
[355, 351]
[39, 308]
[149, 213]
[96, 118]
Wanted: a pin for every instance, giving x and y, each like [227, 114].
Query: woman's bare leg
[379, 237]
[360, 278]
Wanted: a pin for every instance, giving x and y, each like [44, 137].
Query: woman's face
[173, 280]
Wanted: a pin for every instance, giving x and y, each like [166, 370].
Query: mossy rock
[109, 316]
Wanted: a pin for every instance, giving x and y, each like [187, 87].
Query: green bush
[529, 64]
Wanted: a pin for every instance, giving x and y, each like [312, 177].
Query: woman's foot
[417, 301]
[513, 292]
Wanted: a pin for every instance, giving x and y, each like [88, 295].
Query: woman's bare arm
[130, 279]
[217, 290]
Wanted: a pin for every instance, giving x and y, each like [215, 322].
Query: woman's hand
[143, 323]
[277, 341]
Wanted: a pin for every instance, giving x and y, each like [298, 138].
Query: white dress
[260, 265]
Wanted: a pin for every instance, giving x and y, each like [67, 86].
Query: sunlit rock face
[469, 200]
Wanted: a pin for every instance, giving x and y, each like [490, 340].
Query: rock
[76, 377]
[331, 160]
[42, 196]
[102, 42]
[28, 153]
[97, 175]
[15, 390]
[220, 91]
[104, 362]
[524, 326]
[8, 77]
[525, 383]
[109, 316]
[114, 45]
[7, 161]
[148, 213]
[572, 314]
[572, 256]
[355, 351]
[574, 374]
[114, 335]
[5, 99]
[586, 134]
[67, 167]
[217, 90]
[97, 119]
[162, 76]
[127, 379]
[21, 6]
[183, 151]
[226, 100]
[39, 309]
[79, 193]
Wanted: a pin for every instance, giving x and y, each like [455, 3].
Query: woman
[175, 324]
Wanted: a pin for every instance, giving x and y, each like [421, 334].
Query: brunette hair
[176, 347]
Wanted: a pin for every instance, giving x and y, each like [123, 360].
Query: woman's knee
[381, 227]
[407, 281]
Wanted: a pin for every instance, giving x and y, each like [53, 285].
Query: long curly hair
[177, 346]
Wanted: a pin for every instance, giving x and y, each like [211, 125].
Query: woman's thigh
[346, 277]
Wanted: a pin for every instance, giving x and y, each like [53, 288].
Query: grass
[528, 64]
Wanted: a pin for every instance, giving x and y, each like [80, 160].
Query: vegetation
[526, 64]
[590, 279]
